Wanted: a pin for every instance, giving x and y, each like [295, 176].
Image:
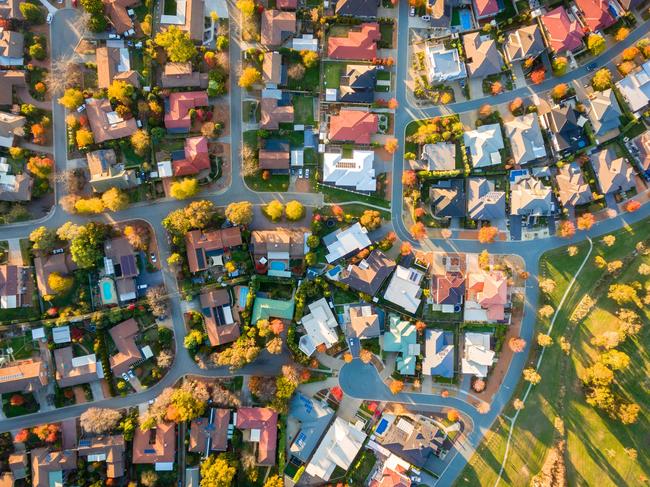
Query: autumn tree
[623, 294]
[84, 138]
[240, 213]
[479, 385]
[632, 206]
[243, 351]
[31, 12]
[538, 76]
[294, 210]
[309, 58]
[560, 65]
[572, 251]
[274, 346]
[602, 80]
[121, 91]
[496, 88]
[365, 356]
[621, 34]
[420, 326]
[157, 301]
[559, 91]
[396, 386]
[452, 415]
[586, 221]
[392, 104]
[274, 481]
[164, 359]
[115, 199]
[596, 44]
[567, 229]
[370, 219]
[218, 470]
[43, 239]
[97, 421]
[391, 145]
[598, 375]
[249, 77]
[517, 344]
[418, 231]
[406, 248]
[89, 205]
[547, 285]
[177, 44]
[600, 262]
[59, 284]
[138, 236]
[149, 478]
[628, 413]
[518, 404]
[198, 214]
[609, 240]
[141, 142]
[516, 105]
[72, 98]
[532, 376]
[487, 234]
[185, 405]
[184, 188]
[409, 178]
[544, 340]
[546, 311]
[274, 210]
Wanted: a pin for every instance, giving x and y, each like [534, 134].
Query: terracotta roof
[23, 376]
[112, 447]
[9, 79]
[563, 34]
[196, 159]
[45, 462]
[274, 159]
[279, 240]
[491, 291]
[390, 478]
[219, 331]
[180, 75]
[596, 14]
[353, 126]
[277, 26]
[201, 430]
[200, 245]
[364, 322]
[46, 265]
[128, 352]
[67, 374]
[105, 123]
[359, 44]
[115, 10]
[11, 10]
[448, 288]
[157, 445]
[265, 421]
[108, 60]
[180, 104]
[273, 114]
[272, 68]
[369, 274]
[486, 8]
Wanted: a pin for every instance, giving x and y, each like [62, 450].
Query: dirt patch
[221, 114]
[79, 395]
[302, 185]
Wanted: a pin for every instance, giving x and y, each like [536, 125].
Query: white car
[125, 376]
[49, 18]
[412, 12]
[131, 374]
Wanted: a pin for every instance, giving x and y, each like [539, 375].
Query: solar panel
[149, 451]
[199, 258]
[84, 442]
[127, 263]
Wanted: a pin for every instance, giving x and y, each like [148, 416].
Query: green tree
[313, 241]
[294, 210]
[37, 51]
[72, 97]
[243, 351]
[32, 13]
[43, 239]
[218, 471]
[274, 481]
[121, 91]
[115, 199]
[177, 44]
[247, 7]
[185, 188]
[240, 213]
[86, 248]
[310, 258]
[97, 21]
[222, 43]
[560, 65]
[598, 375]
[309, 58]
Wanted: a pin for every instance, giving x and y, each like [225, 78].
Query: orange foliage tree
[567, 229]
[632, 206]
[487, 234]
[586, 221]
[409, 178]
[538, 76]
[396, 386]
[418, 231]
[406, 248]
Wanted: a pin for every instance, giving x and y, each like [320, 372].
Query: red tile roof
[563, 35]
[277, 26]
[155, 446]
[196, 159]
[486, 8]
[287, 4]
[179, 107]
[596, 14]
[128, 353]
[201, 430]
[359, 44]
[353, 125]
[491, 292]
[266, 421]
[199, 243]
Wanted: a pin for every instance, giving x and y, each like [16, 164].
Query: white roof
[147, 352]
[297, 157]
[484, 144]
[84, 360]
[339, 447]
[635, 87]
[38, 333]
[352, 239]
[306, 42]
[165, 169]
[478, 356]
[357, 172]
[320, 324]
[218, 6]
[164, 466]
[404, 288]
[444, 64]
[61, 334]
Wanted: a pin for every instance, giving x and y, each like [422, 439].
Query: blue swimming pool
[278, 265]
[332, 273]
[381, 426]
[465, 18]
[243, 296]
[107, 291]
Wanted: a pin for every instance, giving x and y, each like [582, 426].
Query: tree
[487, 234]
[644, 269]
[420, 326]
[46, 432]
[630, 53]
[59, 284]
[609, 240]
[567, 229]
[164, 359]
[137, 235]
[115, 199]
[95, 20]
[614, 266]
[409, 178]
[195, 215]
[538, 76]
[602, 80]
[406, 248]
[628, 413]
[560, 65]
[452, 415]
[370, 219]
[43, 238]
[274, 346]
[626, 67]
[478, 385]
[249, 77]
[600, 262]
[296, 71]
[496, 88]
[585, 221]
[547, 285]
[615, 359]
[572, 251]
[347, 357]
[621, 34]
[247, 7]
[546, 311]
[72, 97]
[177, 44]
[294, 210]
[517, 344]
[598, 375]
[624, 293]
[32, 13]
[274, 481]
[149, 478]
[23, 434]
[185, 405]
[632, 206]
[121, 91]
[396, 386]
[185, 188]
[157, 301]
[36, 51]
[17, 400]
[310, 258]
[596, 44]
[99, 420]
[391, 145]
[485, 110]
[240, 213]
[559, 91]
[218, 471]
[84, 138]
[309, 58]
[516, 105]
[243, 351]
[418, 231]
[141, 142]
[532, 376]
[544, 340]
[193, 339]
[89, 205]
[274, 210]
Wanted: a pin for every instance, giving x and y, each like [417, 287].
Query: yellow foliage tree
[294, 210]
[72, 98]
[185, 188]
[140, 141]
[89, 205]
[59, 284]
[84, 138]
[249, 77]
[115, 200]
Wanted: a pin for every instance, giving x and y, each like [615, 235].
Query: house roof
[486, 8]
[391, 477]
[444, 64]
[357, 85]
[21, 190]
[9, 79]
[364, 322]
[438, 353]
[110, 448]
[490, 290]
[8, 280]
[111, 62]
[596, 14]
[11, 10]
[448, 198]
[320, 325]
[180, 75]
[265, 308]
[613, 173]
[197, 157]
[264, 420]
[23, 376]
[359, 44]
[273, 114]
[201, 245]
[529, 196]
[354, 126]
[18, 463]
[526, 138]
[440, 156]
[564, 123]
[281, 240]
[46, 265]
[287, 4]
[484, 143]
[404, 288]
[345, 241]
[46, 462]
[401, 337]
[202, 430]
[72, 371]
[356, 172]
[106, 173]
[448, 288]
[177, 112]
[157, 445]
[314, 418]
[189, 17]
[128, 352]
[483, 202]
[604, 112]
[272, 68]
[218, 316]
[116, 11]
[368, 275]
[272, 159]
[524, 42]
[277, 27]
[105, 123]
[573, 189]
[357, 8]
[635, 87]
[562, 33]
[642, 142]
[477, 354]
[120, 251]
[11, 46]
[483, 56]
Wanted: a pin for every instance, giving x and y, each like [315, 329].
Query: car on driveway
[125, 376]
[153, 257]
[49, 18]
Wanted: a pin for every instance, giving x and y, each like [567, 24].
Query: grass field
[303, 107]
[333, 72]
[595, 445]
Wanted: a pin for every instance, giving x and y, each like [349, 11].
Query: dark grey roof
[448, 198]
[358, 84]
[357, 8]
[368, 276]
[484, 203]
[565, 126]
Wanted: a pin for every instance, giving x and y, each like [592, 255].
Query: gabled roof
[277, 27]
[106, 173]
[358, 84]
[266, 308]
[524, 42]
[635, 87]
[11, 10]
[356, 172]
[486, 8]
[23, 376]
[440, 156]
[197, 157]
[267, 243]
[128, 352]
[110, 448]
[478, 355]
[364, 322]
[9, 80]
[314, 418]
[438, 353]
[448, 288]
[273, 114]
[368, 275]
[596, 14]
[483, 56]
[180, 75]
[345, 241]
[613, 173]
[483, 202]
[529, 196]
[201, 245]
[274, 159]
[47, 264]
[216, 432]
[116, 12]
[272, 68]
[448, 198]
[112, 63]
[526, 138]
[320, 325]
[105, 123]
[265, 421]
[353, 126]
[573, 189]
[566, 128]
[642, 142]
[604, 112]
[401, 337]
[485, 143]
[178, 106]
[71, 372]
[359, 44]
[46, 464]
[563, 34]
[157, 445]
[404, 288]
[490, 290]
[218, 316]
[11, 47]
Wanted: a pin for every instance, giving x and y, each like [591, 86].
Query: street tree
[72, 98]
[370, 219]
[249, 77]
[602, 80]
[115, 199]
[184, 188]
[97, 421]
[218, 471]
[137, 235]
[544, 340]
[157, 301]
[517, 344]
[596, 44]
[43, 239]
[32, 13]
[240, 213]
[532, 376]
[294, 210]
[274, 210]
[487, 234]
[177, 44]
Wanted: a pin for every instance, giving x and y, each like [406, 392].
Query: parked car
[142, 287]
[426, 18]
[81, 108]
[125, 376]
[153, 257]
[412, 12]
[58, 251]
[307, 173]
[131, 374]
[49, 18]
[591, 67]
[74, 3]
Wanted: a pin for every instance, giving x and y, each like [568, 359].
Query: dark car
[591, 67]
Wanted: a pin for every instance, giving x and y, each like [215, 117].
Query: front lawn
[25, 403]
[336, 195]
[303, 109]
[277, 182]
[22, 346]
[386, 30]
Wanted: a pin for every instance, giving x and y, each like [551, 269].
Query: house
[596, 14]
[277, 159]
[120, 262]
[401, 338]
[635, 88]
[338, 448]
[440, 13]
[448, 290]
[443, 64]
[484, 202]
[275, 111]
[181, 75]
[114, 64]
[11, 126]
[10, 9]
[44, 266]
[483, 56]
[526, 138]
[205, 249]
[15, 286]
[272, 68]
[320, 326]
[357, 8]
[478, 355]
[117, 13]
[177, 109]
[562, 32]
[438, 353]
[365, 321]
[604, 114]
[356, 173]
[314, 418]
[357, 84]
[211, 433]
[487, 296]
[277, 27]
[393, 473]
[128, 352]
[273, 250]
[16, 187]
[48, 466]
[641, 147]
[404, 288]
[11, 48]
[156, 446]
[573, 190]
[484, 144]
[566, 127]
[415, 439]
[8, 81]
[342, 243]
[189, 17]
[368, 275]
[306, 42]
[438, 157]
[525, 42]
[73, 371]
[18, 464]
[260, 425]
[448, 198]
[485, 10]
[106, 172]
[109, 449]
[194, 159]
[360, 44]
[105, 122]
[614, 174]
[26, 376]
[529, 197]
[218, 319]
[353, 126]
[267, 308]
[287, 4]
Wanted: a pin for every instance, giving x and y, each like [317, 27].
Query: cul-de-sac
[355, 243]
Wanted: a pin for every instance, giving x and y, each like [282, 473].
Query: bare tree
[164, 359]
[157, 301]
[224, 397]
[99, 420]
[64, 72]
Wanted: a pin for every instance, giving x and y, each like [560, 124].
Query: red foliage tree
[538, 76]
[632, 206]
[277, 326]
[21, 436]
[17, 400]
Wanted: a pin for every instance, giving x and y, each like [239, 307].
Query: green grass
[250, 111]
[361, 468]
[386, 31]
[22, 346]
[303, 109]
[308, 82]
[169, 7]
[251, 139]
[336, 195]
[589, 434]
[277, 182]
[30, 405]
[332, 75]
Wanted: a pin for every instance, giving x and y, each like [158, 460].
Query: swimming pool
[278, 265]
[381, 427]
[107, 291]
[465, 19]
[243, 296]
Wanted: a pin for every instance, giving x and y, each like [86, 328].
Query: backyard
[303, 107]
[333, 72]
